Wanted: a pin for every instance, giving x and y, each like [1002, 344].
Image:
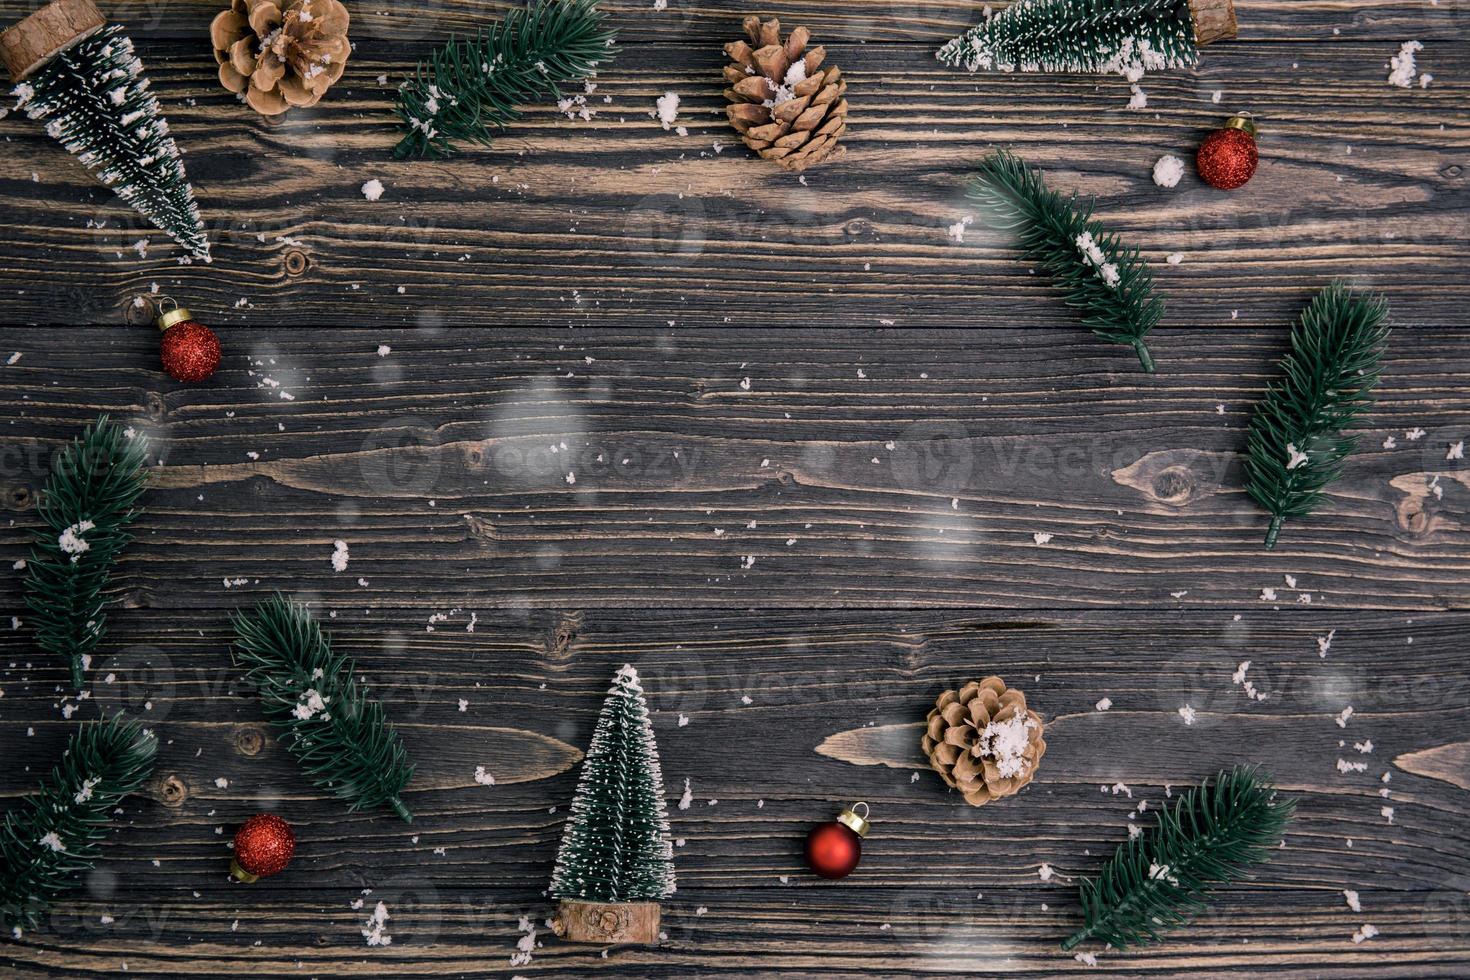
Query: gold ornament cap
[176, 315]
[239, 873]
[1242, 122]
[850, 819]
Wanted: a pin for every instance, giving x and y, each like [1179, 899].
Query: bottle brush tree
[616, 860]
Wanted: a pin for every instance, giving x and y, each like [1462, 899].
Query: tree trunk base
[607, 922]
[1214, 20]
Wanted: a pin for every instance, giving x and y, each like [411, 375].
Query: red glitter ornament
[1227, 158]
[263, 847]
[189, 349]
[834, 848]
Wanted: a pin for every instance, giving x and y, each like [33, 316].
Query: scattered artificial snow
[1104, 704]
[384, 350]
[483, 778]
[339, 556]
[85, 793]
[375, 930]
[687, 798]
[956, 231]
[1041, 537]
[1174, 258]
[312, 704]
[1295, 457]
[1402, 65]
[1457, 451]
[1188, 714]
[1352, 900]
[71, 540]
[1168, 170]
[53, 841]
[1005, 743]
[373, 189]
[1368, 931]
[1095, 257]
[666, 109]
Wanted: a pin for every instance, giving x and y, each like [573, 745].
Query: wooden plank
[499, 470]
[377, 28]
[943, 887]
[617, 221]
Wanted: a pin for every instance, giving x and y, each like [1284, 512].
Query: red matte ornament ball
[263, 847]
[834, 848]
[189, 349]
[1228, 157]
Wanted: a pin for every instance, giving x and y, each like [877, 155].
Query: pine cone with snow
[280, 53]
[983, 740]
[785, 106]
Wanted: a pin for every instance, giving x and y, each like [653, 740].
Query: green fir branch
[1162, 878]
[473, 87]
[1296, 445]
[1099, 36]
[57, 831]
[340, 737]
[1116, 295]
[87, 507]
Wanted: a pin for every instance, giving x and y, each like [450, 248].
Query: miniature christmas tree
[85, 83]
[1296, 445]
[1101, 36]
[472, 87]
[57, 832]
[616, 860]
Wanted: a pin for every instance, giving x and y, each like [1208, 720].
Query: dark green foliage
[1162, 878]
[344, 740]
[95, 101]
[97, 480]
[472, 87]
[105, 761]
[1078, 36]
[1296, 445]
[616, 844]
[1047, 225]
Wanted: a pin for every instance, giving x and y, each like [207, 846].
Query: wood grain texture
[497, 469]
[943, 887]
[618, 221]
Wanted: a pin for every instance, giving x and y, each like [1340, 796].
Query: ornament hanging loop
[856, 822]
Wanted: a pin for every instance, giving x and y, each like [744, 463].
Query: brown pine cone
[784, 105]
[280, 53]
[983, 740]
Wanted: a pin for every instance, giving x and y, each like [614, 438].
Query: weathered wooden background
[835, 523]
[618, 221]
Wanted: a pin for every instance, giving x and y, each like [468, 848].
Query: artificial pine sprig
[341, 737]
[1107, 282]
[1162, 878]
[56, 832]
[1296, 445]
[1078, 35]
[87, 507]
[473, 87]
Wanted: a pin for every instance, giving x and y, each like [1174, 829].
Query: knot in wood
[296, 262]
[155, 406]
[249, 740]
[1174, 484]
[21, 497]
[172, 791]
